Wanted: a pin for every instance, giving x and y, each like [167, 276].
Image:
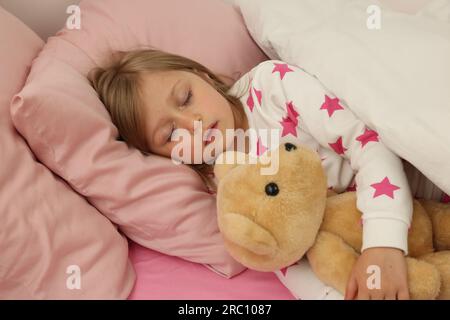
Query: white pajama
[285, 97]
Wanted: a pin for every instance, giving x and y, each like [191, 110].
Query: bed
[60, 233]
[160, 276]
[146, 266]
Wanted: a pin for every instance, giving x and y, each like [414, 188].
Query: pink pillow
[159, 205]
[46, 227]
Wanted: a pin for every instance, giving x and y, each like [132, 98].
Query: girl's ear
[227, 161]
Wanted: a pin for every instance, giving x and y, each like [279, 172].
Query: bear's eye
[272, 189]
[289, 146]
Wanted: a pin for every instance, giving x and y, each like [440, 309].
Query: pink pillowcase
[155, 203]
[46, 227]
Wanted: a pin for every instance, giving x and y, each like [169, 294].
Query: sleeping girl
[150, 94]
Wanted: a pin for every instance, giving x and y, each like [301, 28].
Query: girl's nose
[187, 121]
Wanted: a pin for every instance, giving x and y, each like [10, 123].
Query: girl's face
[174, 100]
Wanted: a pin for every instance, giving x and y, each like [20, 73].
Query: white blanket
[395, 78]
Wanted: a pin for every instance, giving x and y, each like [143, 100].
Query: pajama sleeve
[305, 106]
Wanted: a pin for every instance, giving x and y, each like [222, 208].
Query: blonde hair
[118, 86]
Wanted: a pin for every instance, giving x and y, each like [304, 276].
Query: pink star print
[285, 269]
[250, 102]
[260, 148]
[290, 122]
[258, 95]
[282, 68]
[289, 127]
[351, 187]
[337, 146]
[384, 188]
[367, 136]
[445, 198]
[292, 113]
[331, 105]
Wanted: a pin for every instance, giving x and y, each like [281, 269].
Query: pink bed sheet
[160, 276]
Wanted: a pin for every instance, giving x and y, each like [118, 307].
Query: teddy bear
[269, 222]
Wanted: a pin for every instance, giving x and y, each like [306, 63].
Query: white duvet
[395, 78]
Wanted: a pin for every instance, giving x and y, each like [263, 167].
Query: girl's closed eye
[186, 102]
[188, 98]
[169, 138]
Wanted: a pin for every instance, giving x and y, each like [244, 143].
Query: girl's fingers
[403, 295]
[352, 288]
[390, 296]
[376, 295]
[363, 294]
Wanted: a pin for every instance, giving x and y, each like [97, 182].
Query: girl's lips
[209, 136]
[213, 126]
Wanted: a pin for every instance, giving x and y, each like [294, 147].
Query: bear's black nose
[272, 189]
[289, 146]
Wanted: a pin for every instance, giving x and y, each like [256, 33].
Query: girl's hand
[393, 275]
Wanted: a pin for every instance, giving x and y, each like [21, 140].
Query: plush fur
[267, 232]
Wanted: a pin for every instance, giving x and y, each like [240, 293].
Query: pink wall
[46, 17]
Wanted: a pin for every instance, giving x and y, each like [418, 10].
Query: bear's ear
[227, 161]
